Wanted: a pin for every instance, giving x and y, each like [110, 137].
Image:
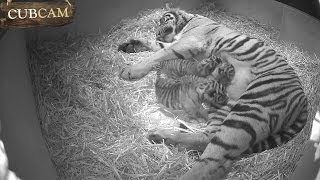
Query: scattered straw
[95, 124]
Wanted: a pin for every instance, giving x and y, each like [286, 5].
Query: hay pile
[95, 124]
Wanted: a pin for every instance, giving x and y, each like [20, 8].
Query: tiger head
[171, 24]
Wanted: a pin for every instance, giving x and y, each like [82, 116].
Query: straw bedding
[95, 124]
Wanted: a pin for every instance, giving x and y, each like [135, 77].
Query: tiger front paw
[134, 72]
[161, 136]
[133, 46]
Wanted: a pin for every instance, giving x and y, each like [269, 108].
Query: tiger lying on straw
[270, 105]
[187, 85]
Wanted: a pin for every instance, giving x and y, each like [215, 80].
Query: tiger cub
[270, 104]
[186, 85]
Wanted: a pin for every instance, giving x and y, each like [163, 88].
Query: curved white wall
[20, 129]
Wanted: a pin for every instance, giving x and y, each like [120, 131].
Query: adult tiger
[270, 103]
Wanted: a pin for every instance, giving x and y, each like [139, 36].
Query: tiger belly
[240, 82]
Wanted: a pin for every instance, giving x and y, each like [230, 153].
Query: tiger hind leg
[241, 129]
[181, 140]
[230, 140]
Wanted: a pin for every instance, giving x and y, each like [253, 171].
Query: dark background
[311, 7]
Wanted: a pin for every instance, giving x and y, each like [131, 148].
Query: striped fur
[184, 85]
[269, 106]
